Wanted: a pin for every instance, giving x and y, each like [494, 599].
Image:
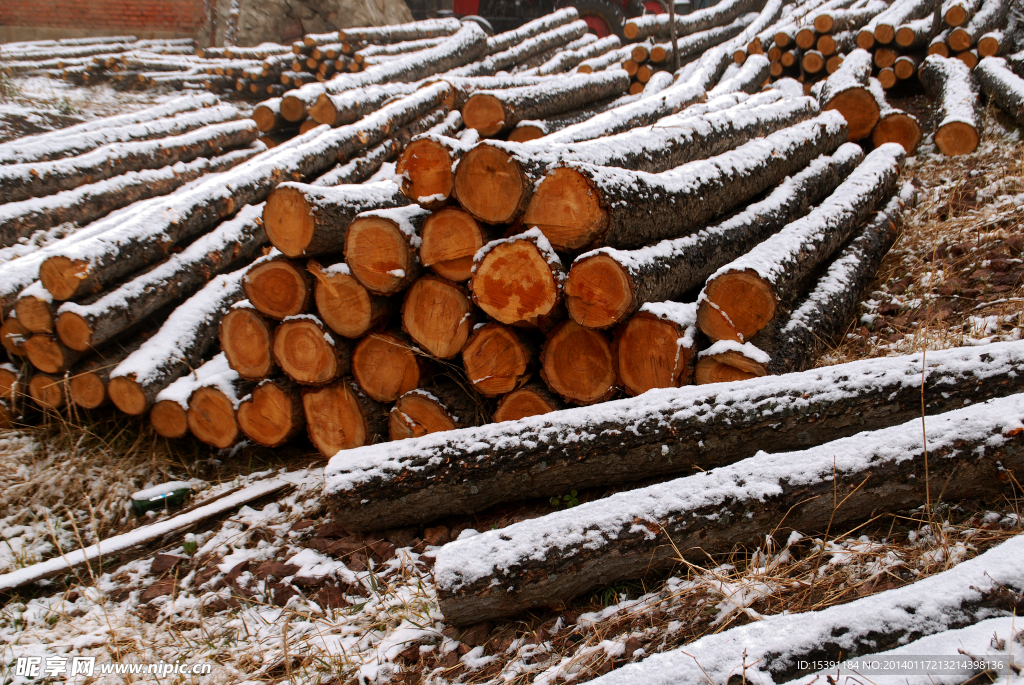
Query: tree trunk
[657, 25]
[626, 209]
[533, 399]
[351, 105]
[450, 238]
[232, 244]
[438, 315]
[381, 248]
[308, 354]
[955, 92]
[341, 417]
[498, 359]
[605, 61]
[272, 413]
[504, 60]
[442, 406]
[35, 309]
[398, 33]
[46, 353]
[13, 336]
[812, 62]
[565, 60]
[87, 380]
[696, 43]
[518, 280]
[426, 168]
[991, 44]
[342, 303]
[743, 297]
[36, 179]
[727, 361]
[968, 57]
[884, 25]
[267, 116]
[278, 287]
[304, 220]
[179, 346]
[905, 68]
[838, 20]
[578, 364]
[938, 44]
[246, 338]
[1002, 86]
[656, 348]
[894, 125]
[504, 41]
[560, 556]
[169, 415]
[958, 12]
[917, 34]
[211, 412]
[846, 91]
[388, 365]
[47, 391]
[580, 448]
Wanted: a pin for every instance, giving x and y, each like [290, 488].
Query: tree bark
[13, 336]
[743, 297]
[308, 354]
[657, 25]
[533, 399]
[581, 448]
[558, 557]
[381, 248]
[846, 91]
[388, 365]
[341, 417]
[656, 348]
[518, 280]
[498, 359]
[955, 91]
[246, 338]
[398, 33]
[443, 405]
[839, 20]
[1002, 86]
[438, 316]
[272, 413]
[578, 364]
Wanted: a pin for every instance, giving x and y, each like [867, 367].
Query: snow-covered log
[179, 346]
[351, 105]
[529, 48]
[663, 432]
[565, 60]
[1002, 86]
[839, 20]
[995, 43]
[34, 179]
[955, 91]
[882, 28]
[741, 298]
[847, 92]
[557, 557]
[278, 287]
[169, 416]
[212, 405]
[989, 17]
[398, 33]
[606, 286]
[381, 248]
[388, 49]
[957, 12]
[894, 125]
[916, 34]
[748, 79]
[508, 39]
[696, 43]
[87, 381]
[657, 25]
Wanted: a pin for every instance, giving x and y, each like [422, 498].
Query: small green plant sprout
[190, 546]
[567, 501]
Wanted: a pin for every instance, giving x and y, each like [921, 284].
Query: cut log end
[514, 284]
[278, 288]
[566, 209]
[959, 40]
[496, 360]
[87, 390]
[865, 39]
[265, 118]
[334, 419]
[385, 367]
[426, 170]
[485, 113]
[288, 220]
[304, 353]
[956, 15]
[34, 314]
[738, 305]
[525, 132]
[490, 185]
[47, 354]
[957, 138]
[211, 417]
[62, 276]
[245, 339]
[169, 419]
[727, 367]
[437, 315]
[450, 237]
[344, 304]
[859, 108]
[898, 128]
[522, 403]
[885, 33]
[74, 331]
[378, 254]
[293, 109]
[598, 292]
[649, 355]
[271, 416]
[417, 414]
[47, 392]
[824, 22]
[128, 396]
[577, 364]
[988, 46]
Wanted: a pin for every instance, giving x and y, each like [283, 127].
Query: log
[968, 57]
[169, 415]
[611, 58]
[87, 380]
[272, 413]
[426, 168]
[36, 179]
[450, 238]
[342, 303]
[394, 48]
[916, 34]
[46, 353]
[388, 365]
[656, 347]
[578, 364]
[11, 383]
[1001, 85]
[47, 391]
[212, 407]
[532, 400]
[498, 359]
[625, 209]
[805, 37]
[381, 248]
[518, 280]
[957, 12]
[565, 60]
[894, 125]
[884, 25]
[438, 316]
[399, 33]
[267, 116]
[35, 309]
[812, 62]
[748, 79]
[742, 297]
[13, 336]
[538, 45]
[246, 337]
[989, 17]
[491, 111]
[697, 43]
[846, 91]
[657, 25]
[308, 354]
[232, 244]
[179, 346]
[508, 39]
[991, 44]
[839, 20]
[727, 361]
[442, 406]
[559, 556]
[672, 431]
[955, 92]
[340, 416]
[905, 68]
[278, 287]
[349, 106]
[831, 304]
[938, 45]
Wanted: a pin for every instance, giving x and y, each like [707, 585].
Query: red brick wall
[179, 16]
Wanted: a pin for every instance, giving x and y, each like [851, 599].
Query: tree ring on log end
[598, 292]
[898, 128]
[269, 418]
[426, 171]
[450, 238]
[577, 364]
[293, 109]
[334, 418]
[495, 360]
[436, 314]
[277, 288]
[87, 390]
[211, 417]
[513, 283]
[956, 16]
[344, 304]
[520, 404]
[885, 33]
[169, 419]
[859, 108]
[490, 184]
[61, 276]
[726, 367]
[417, 414]
[485, 113]
[738, 305]
[376, 251]
[45, 353]
[13, 336]
[35, 315]
[127, 396]
[956, 138]
[47, 392]
[74, 331]
[650, 356]
[567, 210]
[385, 367]
[246, 341]
[303, 352]
[523, 133]
[288, 220]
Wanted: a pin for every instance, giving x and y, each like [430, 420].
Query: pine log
[656, 347]
[958, 12]
[748, 79]
[517, 54]
[938, 45]
[340, 417]
[388, 365]
[625, 209]
[532, 129]
[344, 304]
[578, 364]
[212, 407]
[743, 297]
[179, 346]
[698, 42]
[900, 12]
[812, 62]
[87, 380]
[246, 338]
[968, 57]
[308, 354]
[351, 105]
[12, 382]
[398, 33]
[381, 248]
[35, 179]
[232, 244]
[13, 336]
[906, 67]
[267, 116]
[450, 238]
[1002, 86]
[846, 91]
[169, 415]
[426, 167]
[35, 309]
[531, 400]
[955, 91]
[442, 406]
[670, 431]
[610, 59]
[46, 353]
[278, 287]
[727, 361]
[498, 359]
[657, 25]
[393, 48]
[438, 316]
[560, 556]
[838, 20]
[518, 280]
[606, 286]
[894, 125]
[47, 391]
[805, 37]
[992, 44]
[272, 413]
[916, 34]
[565, 60]
[833, 44]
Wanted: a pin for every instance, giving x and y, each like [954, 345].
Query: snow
[160, 490]
[535, 236]
[748, 350]
[404, 218]
[508, 39]
[682, 314]
[750, 75]
[519, 52]
[852, 73]
[215, 373]
[959, 91]
[1002, 85]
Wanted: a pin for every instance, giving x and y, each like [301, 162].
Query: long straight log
[958, 12]
[882, 29]
[524, 51]
[917, 34]
[246, 338]
[565, 60]
[351, 105]
[508, 39]
[1002, 86]
[657, 25]
[559, 556]
[838, 20]
[398, 33]
[955, 91]
[606, 286]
